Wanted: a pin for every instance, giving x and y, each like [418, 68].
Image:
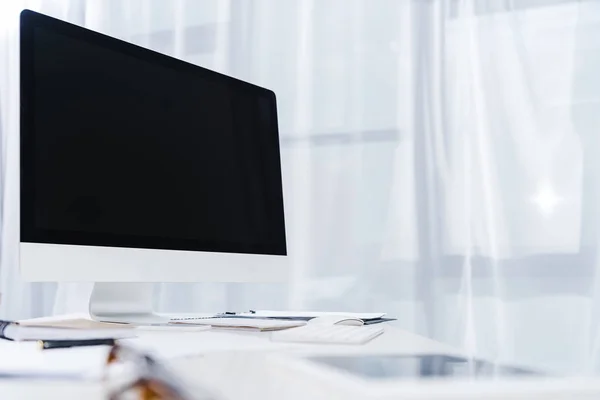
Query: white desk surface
[246, 365]
[220, 367]
[251, 374]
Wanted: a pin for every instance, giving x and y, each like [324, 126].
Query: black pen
[63, 344]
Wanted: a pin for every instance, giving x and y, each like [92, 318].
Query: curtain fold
[439, 161]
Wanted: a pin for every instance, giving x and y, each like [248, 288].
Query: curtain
[438, 160]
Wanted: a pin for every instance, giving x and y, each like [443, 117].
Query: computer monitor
[137, 168]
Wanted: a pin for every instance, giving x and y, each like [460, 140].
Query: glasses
[140, 376]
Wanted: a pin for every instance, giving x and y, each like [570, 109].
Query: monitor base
[129, 303]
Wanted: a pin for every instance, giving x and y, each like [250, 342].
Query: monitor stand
[129, 303]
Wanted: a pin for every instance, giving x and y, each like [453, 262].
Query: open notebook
[242, 323]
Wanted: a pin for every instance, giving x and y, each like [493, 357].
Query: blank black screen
[126, 147]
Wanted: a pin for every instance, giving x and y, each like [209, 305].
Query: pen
[63, 344]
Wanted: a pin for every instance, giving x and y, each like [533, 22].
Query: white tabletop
[249, 374]
[272, 372]
[215, 359]
[247, 365]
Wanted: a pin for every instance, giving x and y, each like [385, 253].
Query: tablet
[415, 366]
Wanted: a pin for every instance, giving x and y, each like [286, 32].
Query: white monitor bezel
[42, 262]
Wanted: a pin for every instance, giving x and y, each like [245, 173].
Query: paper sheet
[308, 314]
[243, 323]
[25, 359]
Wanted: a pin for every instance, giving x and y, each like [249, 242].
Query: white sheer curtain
[439, 160]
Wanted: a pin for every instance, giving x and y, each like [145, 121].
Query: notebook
[17, 332]
[242, 323]
[312, 314]
[368, 318]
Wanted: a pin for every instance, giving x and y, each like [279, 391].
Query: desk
[254, 375]
[282, 375]
[245, 364]
[261, 372]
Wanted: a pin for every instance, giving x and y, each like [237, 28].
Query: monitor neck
[130, 303]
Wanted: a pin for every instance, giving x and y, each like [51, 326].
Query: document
[312, 314]
[257, 324]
